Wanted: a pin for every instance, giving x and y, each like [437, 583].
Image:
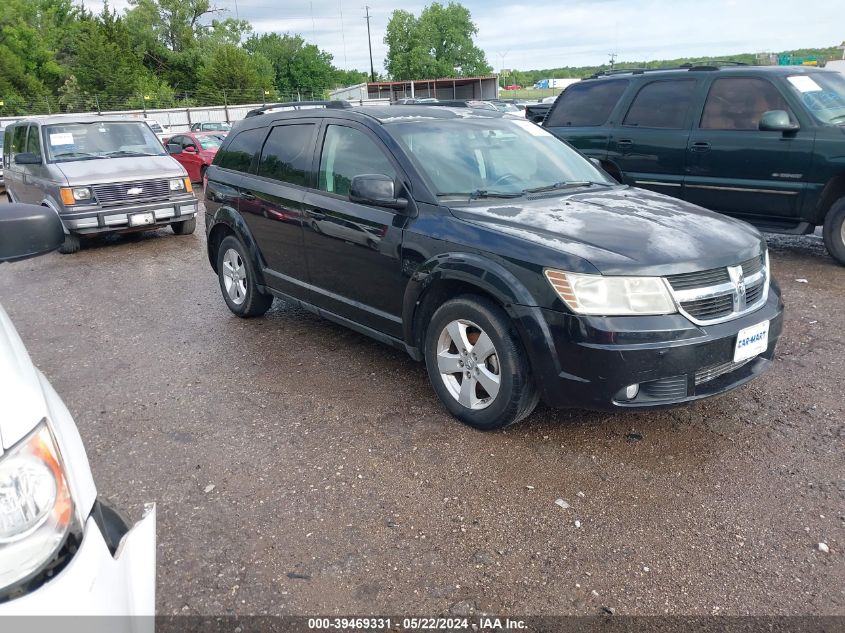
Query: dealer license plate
[751, 341]
[139, 219]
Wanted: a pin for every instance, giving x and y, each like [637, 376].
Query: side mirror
[777, 121]
[27, 158]
[596, 163]
[190, 149]
[375, 189]
[173, 148]
[28, 230]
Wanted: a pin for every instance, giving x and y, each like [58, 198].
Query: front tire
[72, 244]
[238, 282]
[476, 364]
[834, 231]
[185, 227]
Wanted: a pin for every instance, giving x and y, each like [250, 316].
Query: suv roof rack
[712, 65]
[297, 105]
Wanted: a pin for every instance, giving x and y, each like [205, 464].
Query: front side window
[210, 142]
[18, 140]
[823, 94]
[347, 153]
[662, 104]
[287, 154]
[738, 103]
[33, 141]
[87, 141]
[492, 155]
[242, 153]
[586, 104]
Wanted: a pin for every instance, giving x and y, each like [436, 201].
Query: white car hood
[23, 404]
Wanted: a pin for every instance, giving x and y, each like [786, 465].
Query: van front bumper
[88, 220]
[587, 362]
[96, 583]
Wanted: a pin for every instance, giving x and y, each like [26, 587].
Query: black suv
[495, 252]
[762, 143]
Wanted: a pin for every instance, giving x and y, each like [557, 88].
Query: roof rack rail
[297, 105]
[715, 64]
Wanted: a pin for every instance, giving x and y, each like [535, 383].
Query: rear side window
[347, 153]
[662, 104]
[287, 154]
[586, 104]
[242, 153]
[738, 103]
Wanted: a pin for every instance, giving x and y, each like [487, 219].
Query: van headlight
[177, 184]
[612, 296]
[36, 510]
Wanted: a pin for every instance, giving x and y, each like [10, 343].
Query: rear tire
[185, 227]
[236, 275]
[72, 244]
[476, 364]
[834, 231]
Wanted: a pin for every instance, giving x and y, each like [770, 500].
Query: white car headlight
[36, 510]
[82, 193]
[177, 184]
[612, 296]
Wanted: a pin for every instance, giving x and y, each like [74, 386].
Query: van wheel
[185, 227]
[834, 231]
[237, 280]
[476, 364]
[71, 244]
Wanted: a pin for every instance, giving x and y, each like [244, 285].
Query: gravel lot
[300, 468]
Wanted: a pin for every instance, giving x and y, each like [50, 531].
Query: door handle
[624, 142]
[247, 195]
[700, 146]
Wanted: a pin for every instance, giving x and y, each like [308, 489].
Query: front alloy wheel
[468, 364]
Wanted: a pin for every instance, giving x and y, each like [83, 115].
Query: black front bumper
[586, 362]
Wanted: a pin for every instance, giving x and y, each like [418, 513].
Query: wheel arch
[226, 222]
[833, 191]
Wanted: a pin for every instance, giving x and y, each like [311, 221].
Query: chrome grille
[714, 371]
[119, 191]
[721, 294]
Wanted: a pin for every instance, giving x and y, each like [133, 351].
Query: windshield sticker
[532, 128]
[62, 138]
[804, 83]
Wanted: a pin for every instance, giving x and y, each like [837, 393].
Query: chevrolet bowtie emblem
[134, 191]
[738, 280]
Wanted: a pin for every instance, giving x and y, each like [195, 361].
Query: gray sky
[563, 33]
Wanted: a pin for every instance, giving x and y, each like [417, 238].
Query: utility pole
[370, 44]
[612, 60]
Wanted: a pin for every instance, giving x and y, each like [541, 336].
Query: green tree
[232, 73]
[297, 65]
[437, 44]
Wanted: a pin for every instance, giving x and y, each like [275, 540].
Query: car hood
[623, 230]
[126, 169]
[20, 389]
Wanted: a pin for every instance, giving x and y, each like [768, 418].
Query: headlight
[72, 195]
[177, 184]
[35, 506]
[608, 296]
[82, 193]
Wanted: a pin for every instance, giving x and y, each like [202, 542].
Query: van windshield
[486, 157]
[823, 94]
[87, 141]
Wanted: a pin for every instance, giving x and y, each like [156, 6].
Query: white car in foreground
[62, 551]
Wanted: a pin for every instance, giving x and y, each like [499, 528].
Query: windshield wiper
[123, 152]
[77, 155]
[836, 118]
[484, 193]
[566, 184]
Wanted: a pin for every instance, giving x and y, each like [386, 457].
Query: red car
[198, 150]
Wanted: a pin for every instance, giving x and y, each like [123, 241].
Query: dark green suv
[764, 144]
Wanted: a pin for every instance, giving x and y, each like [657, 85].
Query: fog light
[631, 391]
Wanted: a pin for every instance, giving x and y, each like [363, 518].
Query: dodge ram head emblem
[738, 280]
[135, 191]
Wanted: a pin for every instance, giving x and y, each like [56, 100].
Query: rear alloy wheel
[834, 231]
[237, 280]
[185, 227]
[476, 364]
[72, 244]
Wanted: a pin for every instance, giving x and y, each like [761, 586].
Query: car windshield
[87, 141]
[210, 142]
[823, 94]
[506, 107]
[485, 157]
[224, 127]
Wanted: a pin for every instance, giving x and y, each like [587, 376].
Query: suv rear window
[242, 153]
[661, 104]
[287, 153]
[586, 104]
